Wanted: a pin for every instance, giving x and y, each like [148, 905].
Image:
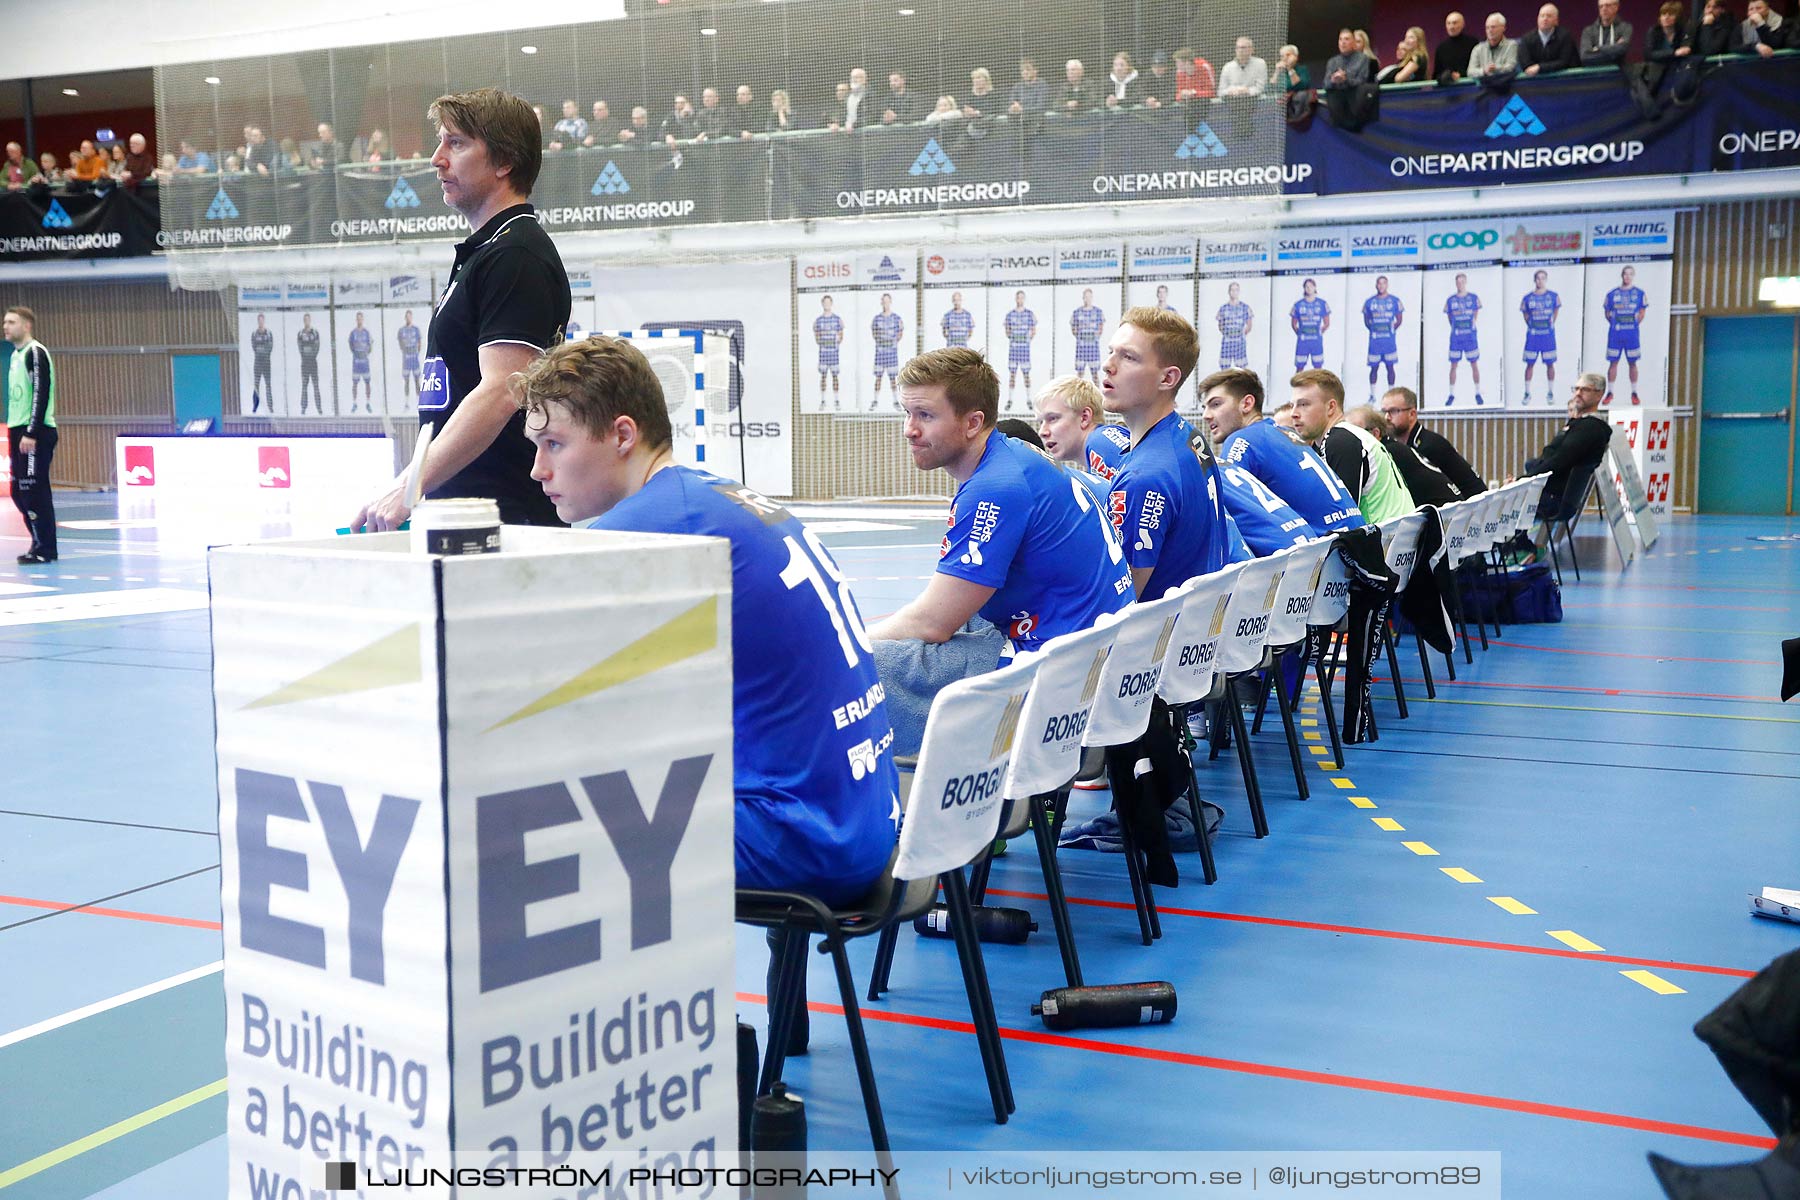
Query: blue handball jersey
[1461, 311]
[1167, 509]
[1234, 319]
[1623, 306]
[828, 330]
[887, 327]
[1294, 472]
[1020, 324]
[1028, 528]
[1106, 448]
[1264, 520]
[1381, 314]
[817, 791]
[408, 337]
[361, 343]
[959, 327]
[1087, 321]
[1311, 315]
[1540, 311]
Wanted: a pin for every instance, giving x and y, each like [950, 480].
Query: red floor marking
[1355, 1083]
[1399, 935]
[122, 913]
[1748, 662]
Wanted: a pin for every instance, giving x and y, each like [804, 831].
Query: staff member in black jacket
[507, 302]
[1400, 406]
[31, 429]
[1580, 446]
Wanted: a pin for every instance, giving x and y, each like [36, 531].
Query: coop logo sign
[1463, 239]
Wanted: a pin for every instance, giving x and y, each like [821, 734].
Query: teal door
[1747, 415]
[197, 387]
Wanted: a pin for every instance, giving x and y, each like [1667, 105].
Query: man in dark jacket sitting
[1579, 447]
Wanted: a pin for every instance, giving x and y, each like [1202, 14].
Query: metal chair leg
[859, 1045]
[1252, 790]
[1059, 902]
[885, 941]
[1285, 705]
[1387, 636]
[784, 1006]
[1425, 666]
[981, 999]
[1150, 920]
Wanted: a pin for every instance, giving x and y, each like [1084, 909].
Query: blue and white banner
[1235, 253]
[1633, 235]
[1387, 246]
[1311, 249]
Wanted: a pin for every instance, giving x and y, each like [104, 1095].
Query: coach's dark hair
[1237, 382]
[504, 122]
[599, 380]
[965, 376]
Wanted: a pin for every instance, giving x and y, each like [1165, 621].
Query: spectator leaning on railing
[1498, 55]
[709, 122]
[1716, 32]
[1077, 96]
[18, 170]
[1607, 40]
[1548, 47]
[1245, 74]
[1409, 65]
[1290, 73]
[903, 107]
[781, 117]
[1451, 61]
[1194, 79]
[1764, 32]
[1122, 86]
[570, 130]
[743, 111]
[1159, 88]
[1030, 94]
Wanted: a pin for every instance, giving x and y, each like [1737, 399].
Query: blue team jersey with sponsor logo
[1311, 314]
[1381, 314]
[1264, 520]
[1461, 311]
[887, 328]
[1540, 311]
[1106, 448]
[1623, 306]
[1295, 473]
[1234, 319]
[817, 791]
[959, 327]
[1020, 324]
[1165, 504]
[828, 330]
[361, 343]
[409, 338]
[1024, 526]
[1087, 321]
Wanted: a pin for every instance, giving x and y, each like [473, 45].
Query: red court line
[1748, 662]
[123, 913]
[1398, 935]
[1353, 1082]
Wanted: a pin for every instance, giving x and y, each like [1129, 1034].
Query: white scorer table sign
[476, 817]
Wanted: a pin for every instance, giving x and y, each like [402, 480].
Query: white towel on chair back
[1048, 751]
[954, 809]
[1192, 662]
[1121, 710]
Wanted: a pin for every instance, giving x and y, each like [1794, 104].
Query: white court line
[135, 994]
[81, 606]
[896, 546]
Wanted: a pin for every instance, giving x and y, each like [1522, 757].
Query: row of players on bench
[1034, 547]
[1382, 315]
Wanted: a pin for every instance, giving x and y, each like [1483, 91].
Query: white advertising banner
[1087, 305]
[471, 864]
[955, 297]
[1021, 319]
[1161, 275]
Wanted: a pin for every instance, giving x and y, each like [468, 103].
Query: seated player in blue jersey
[818, 801]
[1028, 550]
[1232, 402]
[1072, 422]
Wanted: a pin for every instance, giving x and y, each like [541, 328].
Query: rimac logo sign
[932, 161]
[1515, 120]
[1202, 143]
[610, 182]
[402, 195]
[57, 217]
[221, 208]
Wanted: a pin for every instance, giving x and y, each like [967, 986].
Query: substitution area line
[110, 1133]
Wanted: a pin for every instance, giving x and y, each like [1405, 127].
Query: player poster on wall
[1629, 278]
[885, 322]
[361, 343]
[581, 303]
[1309, 301]
[1463, 312]
[1087, 306]
[1021, 307]
[1161, 275]
[955, 298]
[1382, 311]
[829, 357]
[1545, 286]
[405, 316]
[310, 383]
[1236, 307]
[262, 352]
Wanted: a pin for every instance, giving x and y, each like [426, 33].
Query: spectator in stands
[1076, 95]
[679, 125]
[377, 150]
[324, 152]
[192, 161]
[1349, 66]
[1451, 63]
[115, 162]
[1668, 46]
[18, 170]
[1368, 49]
[1424, 482]
[1409, 65]
[1400, 406]
[1717, 31]
[946, 109]
[1030, 94]
[1159, 88]
[1606, 41]
[781, 117]
[743, 114]
[1122, 86]
[570, 130]
[1548, 47]
[167, 170]
[1355, 457]
[854, 97]
[1581, 444]
[234, 164]
[49, 174]
[1245, 74]
[835, 113]
[259, 152]
[1290, 74]
[639, 129]
[1498, 56]
[709, 122]
[86, 165]
[287, 157]
[602, 129]
[982, 100]
[1194, 79]
[1763, 32]
[902, 105]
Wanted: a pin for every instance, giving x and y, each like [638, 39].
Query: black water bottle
[1010, 926]
[1107, 1006]
[749, 1067]
[778, 1133]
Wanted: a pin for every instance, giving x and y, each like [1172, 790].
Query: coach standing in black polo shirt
[507, 302]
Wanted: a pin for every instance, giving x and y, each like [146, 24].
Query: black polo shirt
[507, 285]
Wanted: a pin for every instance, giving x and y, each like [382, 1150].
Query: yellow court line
[1654, 982]
[1362, 802]
[113, 1132]
[1338, 781]
[1633, 712]
[1573, 940]
[1421, 849]
[1311, 737]
[1388, 824]
[1320, 750]
[1311, 722]
[1460, 874]
[1512, 906]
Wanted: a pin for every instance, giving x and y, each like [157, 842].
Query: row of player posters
[1488, 316]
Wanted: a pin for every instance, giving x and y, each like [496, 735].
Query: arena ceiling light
[70, 92]
[907, 12]
[1782, 291]
[709, 31]
[527, 49]
[211, 79]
